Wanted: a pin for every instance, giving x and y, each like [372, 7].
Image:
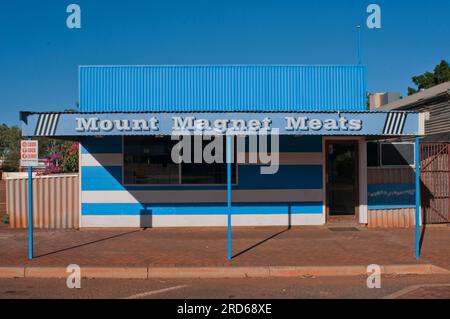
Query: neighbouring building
[434, 149]
[435, 102]
[377, 100]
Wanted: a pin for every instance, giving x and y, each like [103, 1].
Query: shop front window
[390, 154]
[147, 160]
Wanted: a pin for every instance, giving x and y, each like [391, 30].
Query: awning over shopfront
[388, 124]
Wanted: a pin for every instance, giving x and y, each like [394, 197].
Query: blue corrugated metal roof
[222, 88]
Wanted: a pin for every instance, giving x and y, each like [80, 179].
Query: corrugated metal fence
[55, 205]
[435, 182]
[2, 199]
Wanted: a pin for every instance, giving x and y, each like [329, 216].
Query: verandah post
[229, 195]
[30, 211]
[417, 216]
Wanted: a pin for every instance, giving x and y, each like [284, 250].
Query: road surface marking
[409, 289]
[154, 292]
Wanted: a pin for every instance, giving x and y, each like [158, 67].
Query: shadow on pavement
[89, 243]
[261, 242]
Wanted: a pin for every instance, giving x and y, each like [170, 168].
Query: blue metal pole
[30, 212]
[229, 195]
[417, 218]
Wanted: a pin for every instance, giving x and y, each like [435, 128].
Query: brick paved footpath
[264, 246]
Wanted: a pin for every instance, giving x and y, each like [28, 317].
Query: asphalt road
[436, 286]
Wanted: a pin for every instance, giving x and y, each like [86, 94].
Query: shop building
[128, 115]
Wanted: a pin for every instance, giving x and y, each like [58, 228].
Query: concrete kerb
[12, 272]
[218, 272]
[88, 272]
[209, 272]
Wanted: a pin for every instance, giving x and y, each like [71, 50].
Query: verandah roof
[77, 124]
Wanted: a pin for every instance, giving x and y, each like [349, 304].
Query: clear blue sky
[39, 55]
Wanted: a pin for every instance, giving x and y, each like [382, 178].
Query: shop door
[342, 180]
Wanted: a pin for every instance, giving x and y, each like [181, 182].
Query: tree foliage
[60, 155]
[70, 158]
[9, 147]
[440, 74]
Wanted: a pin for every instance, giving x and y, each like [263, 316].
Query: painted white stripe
[49, 124]
[391, 125]
[397, 122]
[44, 124]
[203, 196]
[105, 159]
[422, 118]
[402, 123]
[292, 158]
[362, 181]
[154, 292]
[199, 220]
[55, 120]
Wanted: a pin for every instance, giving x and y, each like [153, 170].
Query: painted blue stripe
[158, 209]
[390, 194]
[101, 178]
[113, 144]
[390, 187]
[290, 143]
[249, 177]
[106, 144]
[381, 207]
[287, 177]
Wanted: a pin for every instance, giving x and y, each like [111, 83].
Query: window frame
[380, 155]
[413, 165]
[179, 184]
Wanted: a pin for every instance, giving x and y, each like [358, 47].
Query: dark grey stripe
[38, 125]
[387, 122]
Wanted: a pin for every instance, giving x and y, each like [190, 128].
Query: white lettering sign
[94, 124]
[216, 126]
[29, 153]
[303, 123]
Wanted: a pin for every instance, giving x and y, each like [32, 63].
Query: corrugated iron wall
[391, 218]
[55, 201]
[218, 88]
[439, 111]
[439, 121]
[394, 175]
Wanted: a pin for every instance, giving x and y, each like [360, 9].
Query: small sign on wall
[29, 153]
